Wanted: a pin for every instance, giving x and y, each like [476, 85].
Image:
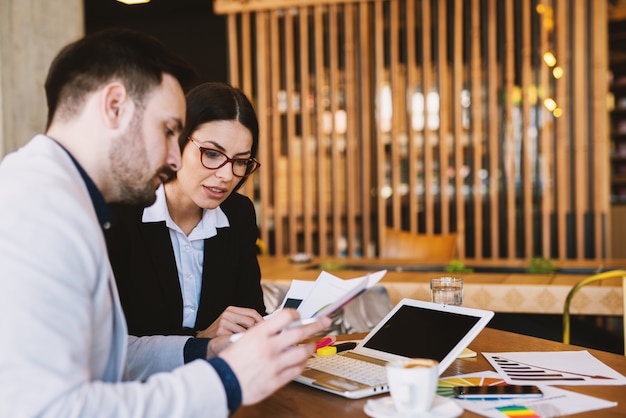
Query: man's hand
[217, 344]
[267, 357]
[233, 320]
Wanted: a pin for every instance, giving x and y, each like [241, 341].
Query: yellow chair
[591, 279]
[419, 247]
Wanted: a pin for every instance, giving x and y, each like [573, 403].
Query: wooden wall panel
[365, 95]
[308, 134]
[493, 123]
[459, 134]
[545, 135]
[412, 84]
[322, 162]
[580, 134]
[600, 131]
[263, 96]
[429, 112]
[445, 106]
[563, 126]
[380, 165]
[529, 93]
[431, 116]
[476, 124]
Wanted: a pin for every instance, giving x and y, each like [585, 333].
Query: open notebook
[413, 328]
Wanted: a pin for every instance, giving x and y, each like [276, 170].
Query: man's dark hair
[136, 59]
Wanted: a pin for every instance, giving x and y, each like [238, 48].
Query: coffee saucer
[384, 408]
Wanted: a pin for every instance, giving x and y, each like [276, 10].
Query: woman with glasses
[188, 264]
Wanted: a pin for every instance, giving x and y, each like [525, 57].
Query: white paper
[572, 368]
[554, 403]
[328, 292]
[298, 291]
[361, 285]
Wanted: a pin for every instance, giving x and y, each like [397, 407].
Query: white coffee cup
[413, 384]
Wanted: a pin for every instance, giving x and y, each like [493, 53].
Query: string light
[550, 104]
[134, 1]
[549, 59]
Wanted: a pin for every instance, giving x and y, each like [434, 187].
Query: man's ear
[116, 105]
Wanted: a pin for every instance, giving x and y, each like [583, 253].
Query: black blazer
[143, 262]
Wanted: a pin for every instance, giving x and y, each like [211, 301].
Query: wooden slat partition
[546, 134]
[365, 129]
[336, 165]
[432, 116]
[493, 122]
[563, 130]
[353, 200]
[322, 162]
[428, 135]
[542, 231]
[529, 92]
[580, 134]
[509, 170]
[458, 77]
[263, 95]
[476, 123]
[444, 108]
[396, 83]
[276, 212]
[307, 133]
[599, 128]
[412, 83]
[379, 80]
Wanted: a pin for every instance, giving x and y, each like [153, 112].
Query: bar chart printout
[573, 368]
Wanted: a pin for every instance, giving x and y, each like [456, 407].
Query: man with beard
[115, 110]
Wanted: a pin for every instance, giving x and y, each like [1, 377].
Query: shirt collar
[206, 228]
[103, 212]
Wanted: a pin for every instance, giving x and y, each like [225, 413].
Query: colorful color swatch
[447, 384]
[518, 411]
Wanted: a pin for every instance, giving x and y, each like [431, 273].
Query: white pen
[294, 324]
[300, 323]
[235, 337]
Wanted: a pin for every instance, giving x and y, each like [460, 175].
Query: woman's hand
[233, 320]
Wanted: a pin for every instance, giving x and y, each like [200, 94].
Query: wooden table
[296, 400]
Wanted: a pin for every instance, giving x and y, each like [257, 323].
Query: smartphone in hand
[497, 392]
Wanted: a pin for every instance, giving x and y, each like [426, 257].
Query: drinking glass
[447, 290]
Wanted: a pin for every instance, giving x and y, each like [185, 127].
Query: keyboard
[349, 368]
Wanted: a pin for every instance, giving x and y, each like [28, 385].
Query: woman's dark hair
[215, 101]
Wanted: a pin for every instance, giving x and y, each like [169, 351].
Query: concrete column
[31, 34]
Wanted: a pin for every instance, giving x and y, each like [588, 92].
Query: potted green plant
[457, 266]
[540, 265]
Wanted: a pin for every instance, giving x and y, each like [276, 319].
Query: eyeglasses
[213, 159]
